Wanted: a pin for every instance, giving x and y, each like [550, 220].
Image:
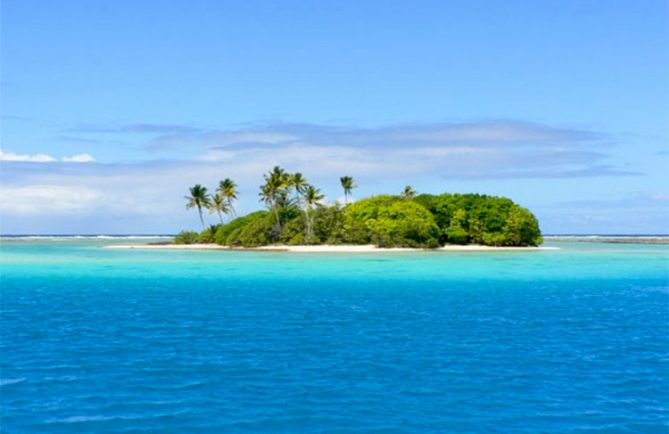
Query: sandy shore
[326, 248]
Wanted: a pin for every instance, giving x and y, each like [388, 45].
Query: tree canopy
[481, 219]
[388, 221]
[297, 214]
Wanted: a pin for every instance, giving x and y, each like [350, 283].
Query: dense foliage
[187, 237]
[386, 221]
[296, 215]
[389, 221]
[249, 231]
[481, 219]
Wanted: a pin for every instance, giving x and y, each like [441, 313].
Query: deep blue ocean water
[574, 340]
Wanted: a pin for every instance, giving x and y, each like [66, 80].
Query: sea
[566, 340]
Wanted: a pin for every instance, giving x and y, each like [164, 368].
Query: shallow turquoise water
[573, 340]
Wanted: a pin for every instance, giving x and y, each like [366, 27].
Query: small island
[297, 216]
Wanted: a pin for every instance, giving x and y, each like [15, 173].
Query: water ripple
[134, 342]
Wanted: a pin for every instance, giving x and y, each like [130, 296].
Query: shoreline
[326, 248]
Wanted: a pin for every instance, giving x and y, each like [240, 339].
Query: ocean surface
[574, 340]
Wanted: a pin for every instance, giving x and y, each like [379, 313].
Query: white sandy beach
[325, 248]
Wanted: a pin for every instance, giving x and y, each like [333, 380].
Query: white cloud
[473, 150]
[498, 132]
[47, 199]
[37, 158]
[79, 158]
[44, 158]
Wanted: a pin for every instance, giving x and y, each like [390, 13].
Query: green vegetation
[348, 185]
[227, 192]
[275, 195]
[297, 215]
[390, 221]
[231, 233]
[199, 198]
[186, 237]
[408, 192]
[219, 206]
[311, 198]
[481, 219]
[220, 203]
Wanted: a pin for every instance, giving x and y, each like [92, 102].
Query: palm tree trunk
[310, 228]
[220, 216]
[199, 210]
[277, 223]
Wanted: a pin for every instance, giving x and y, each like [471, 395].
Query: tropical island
[296, 215]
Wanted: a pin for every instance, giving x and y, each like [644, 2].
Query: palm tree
[274, 193]
[299, 183]
[198, 198]
[312, 197]
[227, 189]
[347, 184]
[408, 192]
[219, 205]
[276, 182]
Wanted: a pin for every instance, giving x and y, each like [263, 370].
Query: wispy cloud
[482, 149]
[79, 158]
[44, 158]
[47, 199]
[479, 132]
[500, 149]
[34, 158]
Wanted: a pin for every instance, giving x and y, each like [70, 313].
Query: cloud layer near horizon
[175, 157]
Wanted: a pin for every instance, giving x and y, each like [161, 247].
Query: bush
[522, 228]
[297, 240]
[456, 232]
[329, 224]
[481, 219]
[252, 230]
[255, 233]
[208, 235]
[327, 221]
[293, 231]
[186, 237]
[389, 221]
[223, 232]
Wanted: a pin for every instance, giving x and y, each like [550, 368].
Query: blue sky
[111, 110]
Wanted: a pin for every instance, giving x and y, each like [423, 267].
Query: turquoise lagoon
[574, 340]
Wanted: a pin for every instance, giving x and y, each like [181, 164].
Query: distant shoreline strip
[612, 239]
[325, 248]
